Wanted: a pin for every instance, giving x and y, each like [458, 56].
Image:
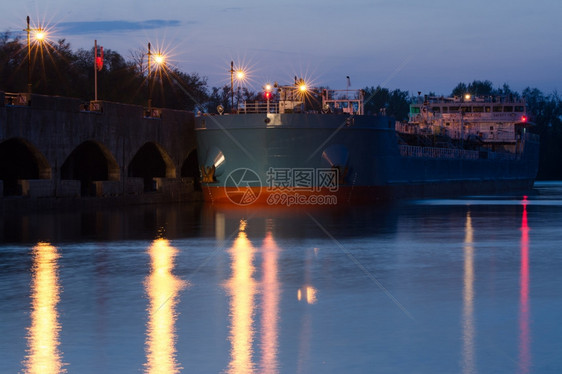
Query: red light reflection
[524, 333]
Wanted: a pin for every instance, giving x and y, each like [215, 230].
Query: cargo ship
[306, 147]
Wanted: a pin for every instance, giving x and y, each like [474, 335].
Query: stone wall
[53, 127]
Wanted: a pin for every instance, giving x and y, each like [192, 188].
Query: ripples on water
[466, 285]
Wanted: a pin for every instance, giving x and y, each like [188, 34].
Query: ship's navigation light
[267, 92]
[302, 87]
[467, 97]
[523, 118]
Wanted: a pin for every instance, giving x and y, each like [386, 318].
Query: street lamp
[159, 60]
[302, 91]
[240, 76]
[40, 35]
[232, 85]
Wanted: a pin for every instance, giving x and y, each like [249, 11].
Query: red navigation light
[267, 92]
[523, 118]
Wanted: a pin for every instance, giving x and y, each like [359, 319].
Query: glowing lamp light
[302, 88]
[523, 118]
[159, 59]
[240, 75]
[467, 97]
[267, 92]
[40, 35]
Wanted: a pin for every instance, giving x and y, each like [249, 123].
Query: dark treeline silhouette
[394, 103]
[546, 112]
[57, 70]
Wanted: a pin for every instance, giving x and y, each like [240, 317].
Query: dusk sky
[406, 44]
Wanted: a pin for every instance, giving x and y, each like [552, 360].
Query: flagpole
[95, 70]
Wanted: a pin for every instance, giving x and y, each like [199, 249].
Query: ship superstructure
[489, 121]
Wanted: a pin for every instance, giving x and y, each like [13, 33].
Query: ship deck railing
[258, 107]
[510, 99]
[453, 153]
[457, 116]
[432, 152]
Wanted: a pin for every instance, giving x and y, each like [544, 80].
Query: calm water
[470, 285]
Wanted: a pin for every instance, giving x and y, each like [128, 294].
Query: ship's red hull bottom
[344, 195]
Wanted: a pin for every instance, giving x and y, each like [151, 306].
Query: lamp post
[149, 82]
[240, 75]
[231, 85]
[159, 59]
[39, 36]
[302, 91]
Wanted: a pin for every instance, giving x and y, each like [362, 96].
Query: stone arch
[90, 161]
[190, 169]
[151, 161]
[20, 159]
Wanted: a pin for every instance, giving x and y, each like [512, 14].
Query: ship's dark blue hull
[353, 158]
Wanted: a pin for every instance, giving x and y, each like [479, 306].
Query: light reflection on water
[524, 330]
[242, 289]
[270, 292]
[43, 340]
[163, 290]
[468, 298]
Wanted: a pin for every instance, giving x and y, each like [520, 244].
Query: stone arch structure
[91, 161]
[190, 169]
[20, 160]
[151, 161]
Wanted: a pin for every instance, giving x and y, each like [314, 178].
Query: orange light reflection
[468, 298]
[242, 289]
[43, 354]
[162, 288]
[308, 294]
[271, 295]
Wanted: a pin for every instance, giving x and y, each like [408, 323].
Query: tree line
[58, 70]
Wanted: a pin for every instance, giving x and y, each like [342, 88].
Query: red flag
[99, 59]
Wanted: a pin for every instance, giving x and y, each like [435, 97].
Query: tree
[179, 90]
[219, 96]
[546, 113]
[57, 70]
[476, 88]
[12, 69]
[395, 103]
